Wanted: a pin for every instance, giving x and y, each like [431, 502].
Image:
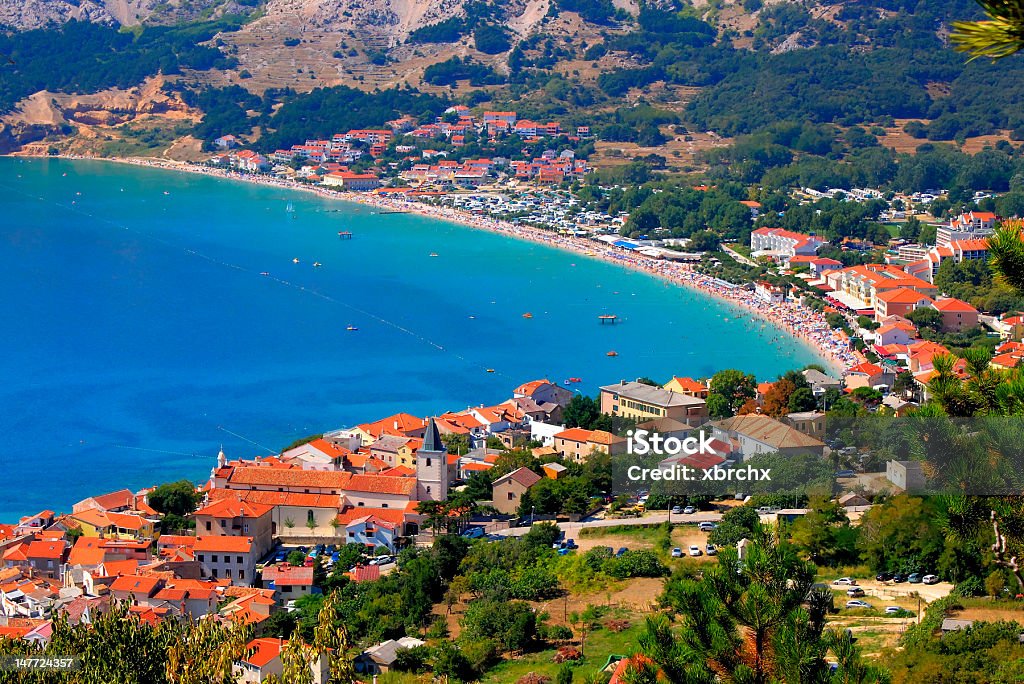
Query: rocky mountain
[24, 15]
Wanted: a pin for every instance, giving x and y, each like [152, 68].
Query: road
[737, 256]
[651, 519]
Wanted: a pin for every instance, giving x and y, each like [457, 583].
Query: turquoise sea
[139, 334]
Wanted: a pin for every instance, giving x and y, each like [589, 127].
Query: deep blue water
[138, 333]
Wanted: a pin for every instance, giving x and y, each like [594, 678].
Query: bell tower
[432, 467]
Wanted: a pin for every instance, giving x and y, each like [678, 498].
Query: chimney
[396, 424]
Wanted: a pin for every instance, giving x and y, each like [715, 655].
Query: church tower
[432, 467]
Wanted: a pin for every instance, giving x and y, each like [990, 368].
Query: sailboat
[290, 209]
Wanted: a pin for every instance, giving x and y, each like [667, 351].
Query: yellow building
[97, 523]
[644, 402]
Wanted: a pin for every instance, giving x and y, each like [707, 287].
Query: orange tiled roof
[952, 304]
[223, 544]
[374, 484]
[294, 477]
[234, 507]
[262, 651]
[576, 434]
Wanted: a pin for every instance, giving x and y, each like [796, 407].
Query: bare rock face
[25, 15]
[31, 14]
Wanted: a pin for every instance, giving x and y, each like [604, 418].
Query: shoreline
[803, 325]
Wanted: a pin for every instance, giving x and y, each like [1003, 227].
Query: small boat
[264, 273]
[317, 264]
[612, 353]
[575, 380]
[295, 260]
[527, 315]
[566, 382]
[351, 328]
[490, 370]
[433, 254]
[166, 193]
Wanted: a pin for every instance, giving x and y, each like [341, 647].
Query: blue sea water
[139, 334]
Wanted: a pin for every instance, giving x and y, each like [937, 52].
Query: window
[223, 523]
[429, 462]
[207, 525]
[383, 505]
[214, 572]
[511, 496]
[310, 520]
[202, 558]
[227, 573]
[351, 535]
[245, 528]
[213, 559]
[241, 574]
[238, 559]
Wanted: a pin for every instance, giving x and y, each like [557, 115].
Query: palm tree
[1006, 254]
[1001, 36]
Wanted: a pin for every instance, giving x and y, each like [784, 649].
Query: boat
[317, 264]
[433, 254]
[527, 315]
[612, 353]
[566, 382]
[351, 327]
[290, 208]
[295, 260]
[575, 380]
[264, 273]
[490, 370]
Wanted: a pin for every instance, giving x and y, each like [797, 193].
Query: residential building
[687, 386]
[288, 582]
[768, 293]
[231, 558]
[899, 302]
[95, 522]
[858, 286]
[782, 244]
[544, 392]
[263, 658]
[868, 375]
[957, 315]
[508, 490]
[644, 402]
[354, 182]
[906, 475]
[753, 434]
[969, 226]
[232, 516]
[577, 444]
[380, 658]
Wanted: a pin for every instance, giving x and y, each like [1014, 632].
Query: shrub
[566, 653]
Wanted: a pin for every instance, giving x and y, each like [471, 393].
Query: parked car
[622, 551]
[677, 552]
[689, 510]
[290, 606]
[695, 551]
[711, 550]
[930, 579]
[883, 576]
[895, 610]
[281, 556]
[899, 578]
[676, 510]
[474, 533]
[564, 552]
[857, 603]
[706, 526]
[845, 473]
[845, 581]
[914, 578]
[854, 592]
[570, 544]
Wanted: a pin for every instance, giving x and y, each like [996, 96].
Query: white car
[846, 581]
[689, 510]
[706, 526]
[677, 552]
[854, 592]
[930, 579]
[711, 550]
[893, 610]
[695, 551]
[857, 604]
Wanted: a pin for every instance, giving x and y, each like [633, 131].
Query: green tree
[175, 498]
[581, 411]
[736, 386]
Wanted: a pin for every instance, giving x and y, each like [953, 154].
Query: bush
[566, 654]
[556, 633]
[491, 40]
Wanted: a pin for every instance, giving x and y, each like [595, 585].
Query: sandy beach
[805, 325]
